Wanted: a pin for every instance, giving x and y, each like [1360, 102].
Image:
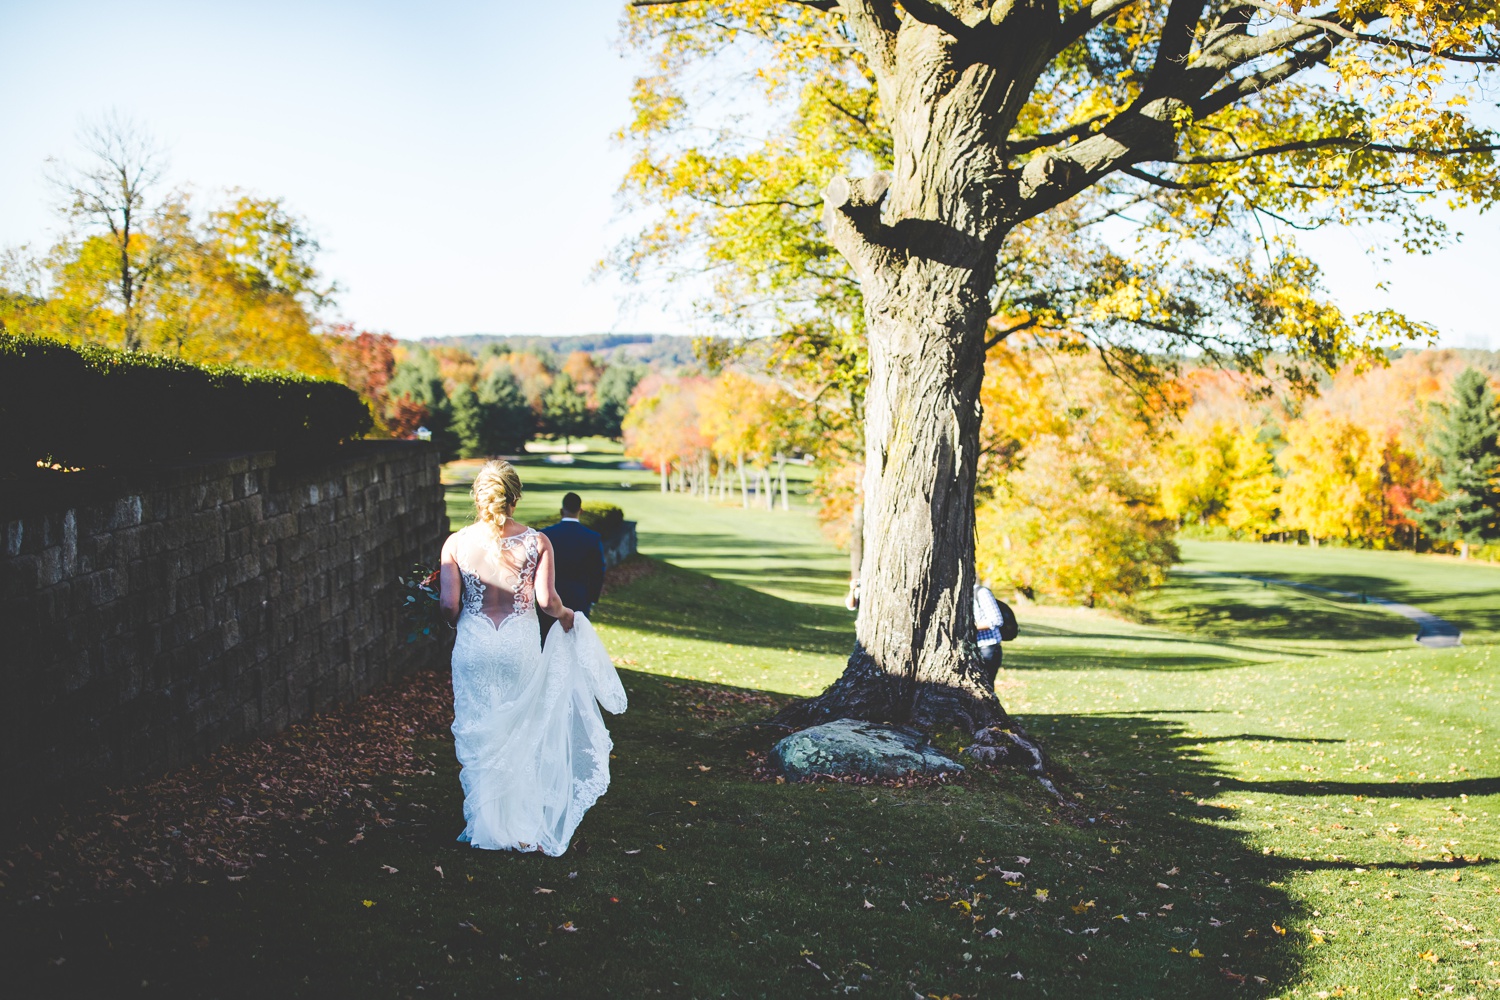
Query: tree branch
[1271, 75]
[1086, 19]
[938, 17]
[875, 23]
[1161, 182]
[1360, 36]
[1329, 142]
[816, 4]
[1023, 325]
[1018, 147]
[851, 214]
[1176, 43]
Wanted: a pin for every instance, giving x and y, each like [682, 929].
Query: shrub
[605, 518]
[92, 406]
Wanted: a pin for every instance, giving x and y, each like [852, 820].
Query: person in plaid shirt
[994, 622]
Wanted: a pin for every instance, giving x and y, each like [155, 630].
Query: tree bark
[915, 660]
[781, 471]
[739, 462]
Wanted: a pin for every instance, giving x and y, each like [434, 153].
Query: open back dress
[527, 728]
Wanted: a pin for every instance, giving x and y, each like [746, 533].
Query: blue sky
[453, 158]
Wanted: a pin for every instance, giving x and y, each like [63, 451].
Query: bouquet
[420, 608]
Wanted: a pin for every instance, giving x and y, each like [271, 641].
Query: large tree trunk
[923, 241]
[915, 660]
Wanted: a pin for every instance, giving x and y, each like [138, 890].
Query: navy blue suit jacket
[578, 553]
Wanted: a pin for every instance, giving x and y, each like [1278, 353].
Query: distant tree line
[486, 403]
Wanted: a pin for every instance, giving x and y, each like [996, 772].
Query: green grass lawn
[1276, 795]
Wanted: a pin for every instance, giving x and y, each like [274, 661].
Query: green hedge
[90, 406]
[605, 518]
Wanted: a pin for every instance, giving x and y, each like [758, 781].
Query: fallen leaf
[636, 851]
[1428, 956]
[356, 838]
[691, 802]
[539, 891]
[567, 926]
[704, 767]
[389, 870]
[993, 932]
[869, 905]
[1009, 876]
[1022, 861]
[1091, 930]
[1162, 885]
[1173, 870]
[1165, 906]
[469, 926]
[1016, 975]
[1215, 922]
[368, 903]
[1041, 895]
[1195, 953]
[236, 878]
[439, 870]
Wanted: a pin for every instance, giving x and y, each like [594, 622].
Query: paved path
[1431, 630]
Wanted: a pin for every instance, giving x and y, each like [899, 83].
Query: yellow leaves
[1280, 930]
[1195, 953]
[1083, 907]
[1428, 956]
[1041, 895]
[367, 903]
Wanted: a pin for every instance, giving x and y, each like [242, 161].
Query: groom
[579, 554]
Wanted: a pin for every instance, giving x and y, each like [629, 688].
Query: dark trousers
[989, 655]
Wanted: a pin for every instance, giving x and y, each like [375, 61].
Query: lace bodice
[499, 574]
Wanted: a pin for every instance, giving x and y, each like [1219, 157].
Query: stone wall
[146, 619]
[618, 548]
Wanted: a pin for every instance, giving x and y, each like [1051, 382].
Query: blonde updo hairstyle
[496, 491]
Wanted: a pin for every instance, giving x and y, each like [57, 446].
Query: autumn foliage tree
[987, 142]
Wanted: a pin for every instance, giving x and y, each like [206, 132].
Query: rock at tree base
[869, 749]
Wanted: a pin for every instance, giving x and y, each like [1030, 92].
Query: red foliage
[366, 361]
[404, 415]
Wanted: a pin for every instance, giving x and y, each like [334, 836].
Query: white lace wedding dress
[526, 721]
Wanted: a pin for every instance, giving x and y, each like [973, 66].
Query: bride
[526, 722]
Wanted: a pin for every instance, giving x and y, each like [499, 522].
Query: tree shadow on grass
[1094, 657]
[681, 603]
[1239, 610]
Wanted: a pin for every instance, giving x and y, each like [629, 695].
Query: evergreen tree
[468, 424]
[612, 398]
[418, 378]
[1468, 448]
[565, 411]
[507, 421]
